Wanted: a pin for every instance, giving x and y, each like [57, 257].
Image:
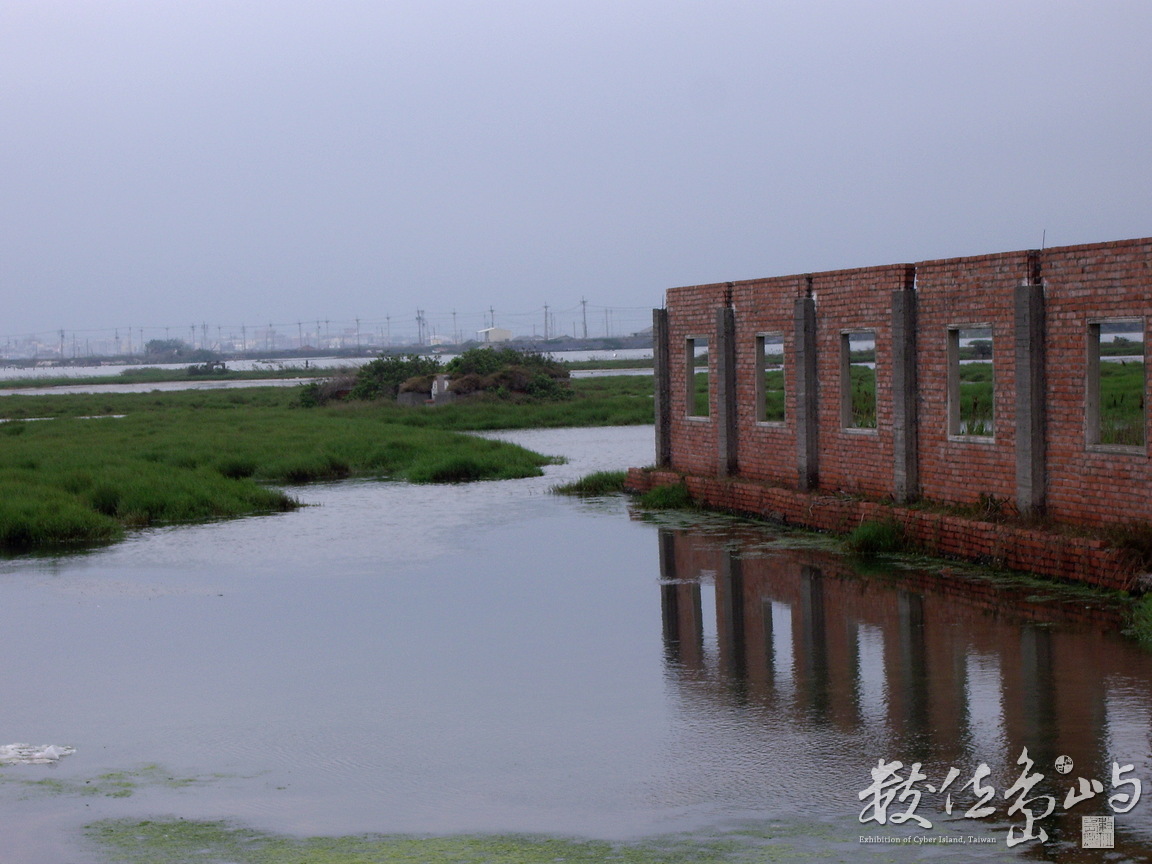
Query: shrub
[381, 379]
[673, 496]
[873, 539]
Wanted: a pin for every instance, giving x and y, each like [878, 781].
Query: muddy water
[491, 657]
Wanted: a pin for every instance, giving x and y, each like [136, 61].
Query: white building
[494, 334]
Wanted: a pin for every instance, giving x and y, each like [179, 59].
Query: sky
[222, 163]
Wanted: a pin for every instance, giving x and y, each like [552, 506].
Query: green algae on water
[171, 840]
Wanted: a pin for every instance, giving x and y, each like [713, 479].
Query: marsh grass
[596, 483]
[673, 496]
[184, 457]
[1122, 403]
[871, 540]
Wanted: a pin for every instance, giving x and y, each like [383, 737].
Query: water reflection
[491, 657]
[910, 666]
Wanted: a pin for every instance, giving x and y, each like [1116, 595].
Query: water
[492, 657]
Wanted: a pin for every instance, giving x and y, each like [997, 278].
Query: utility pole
[455, 332]
[357, 335]
[584, 307]
[299, 335]
[545, 322]
[492, 312]
[388, 332]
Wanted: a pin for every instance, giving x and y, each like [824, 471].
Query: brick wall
[694, 439]
[766, 450]
[958, 292]
[1084, 483]
[1107, 280]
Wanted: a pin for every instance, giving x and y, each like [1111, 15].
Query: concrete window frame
[957, 428]
[854, 417]
[697, 406]
[766, 414]
[1096, 411]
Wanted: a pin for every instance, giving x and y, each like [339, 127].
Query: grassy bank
[159, 458]
[188, 457]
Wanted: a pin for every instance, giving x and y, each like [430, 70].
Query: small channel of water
[491, 657]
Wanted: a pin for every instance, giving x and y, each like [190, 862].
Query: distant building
[494, 334]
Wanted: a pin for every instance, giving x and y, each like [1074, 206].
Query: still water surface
[492, 657]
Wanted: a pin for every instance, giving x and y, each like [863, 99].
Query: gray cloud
[274, 161]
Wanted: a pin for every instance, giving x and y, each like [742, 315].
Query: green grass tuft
[873, 539]
[597, 483]
[673, 496]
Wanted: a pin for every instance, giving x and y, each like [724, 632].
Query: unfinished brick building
[826, 396]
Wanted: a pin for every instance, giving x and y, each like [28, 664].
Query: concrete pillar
[662, 388]
[1031, 467]
[727, 461]
[906, 471]
[807, 415]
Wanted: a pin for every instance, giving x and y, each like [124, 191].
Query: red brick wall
[765, 306]
[1084, 484]
[857, 461]
[694, 439]
[1106, 280]
[961, 291]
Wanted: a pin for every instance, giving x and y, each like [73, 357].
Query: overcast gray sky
[169, 162]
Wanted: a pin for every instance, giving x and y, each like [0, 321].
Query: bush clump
[672, 496]
[384, 376]
[873, 539]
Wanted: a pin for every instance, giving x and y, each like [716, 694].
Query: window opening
[770, 378]
[858, 380]
[1116, 383]
[971, 382]
[696, 361]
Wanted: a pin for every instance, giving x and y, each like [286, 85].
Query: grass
[1122, 414]
[192, 457]
[872, 540]
[975, 395]
[596, 483]
[673, 496]
[773, 384]
[1140, 621]
[197, 455]
[863, 404]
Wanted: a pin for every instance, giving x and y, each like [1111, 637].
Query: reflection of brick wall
[1083, 484]
[929, 625]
